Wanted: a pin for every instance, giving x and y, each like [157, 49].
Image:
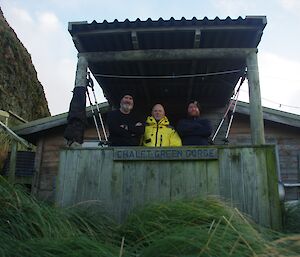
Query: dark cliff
[20, 90]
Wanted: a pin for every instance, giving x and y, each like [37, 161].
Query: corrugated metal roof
[31, 129]
[119, 36]
[168, 34]
[83, 26]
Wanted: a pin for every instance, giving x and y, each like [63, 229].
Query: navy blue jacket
[194, 131]
[119, 136]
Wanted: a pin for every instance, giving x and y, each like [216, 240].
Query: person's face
[193, 110]
[158, 112]
[126, 103]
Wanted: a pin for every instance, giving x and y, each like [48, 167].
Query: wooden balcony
[122, 179]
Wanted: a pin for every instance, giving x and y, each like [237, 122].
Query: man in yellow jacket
[158, 131]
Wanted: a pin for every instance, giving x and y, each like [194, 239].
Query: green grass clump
[32, 228]
[192, 228]
[183, 228]
[5, 142]
[202, 227]
[292, 217]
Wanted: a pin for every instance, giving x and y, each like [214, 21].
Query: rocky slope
[20, 90]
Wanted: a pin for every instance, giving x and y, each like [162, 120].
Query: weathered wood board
[246, 177]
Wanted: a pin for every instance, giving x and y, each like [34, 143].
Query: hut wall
[287, 139]
[47, 161]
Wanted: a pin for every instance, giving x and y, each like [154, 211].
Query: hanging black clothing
[129, 134]
[74, 131]
[194, 131]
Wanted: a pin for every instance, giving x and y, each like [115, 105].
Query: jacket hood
[151, 121]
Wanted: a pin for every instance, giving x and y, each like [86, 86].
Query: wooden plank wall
[47, 161]
[46, 164]
[287, 139]
[244, 176]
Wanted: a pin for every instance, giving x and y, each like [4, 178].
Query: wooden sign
[160, 154]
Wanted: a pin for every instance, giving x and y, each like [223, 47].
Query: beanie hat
[196, 103]
[126, 92]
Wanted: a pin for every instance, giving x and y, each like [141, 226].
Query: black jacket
[129, 136]
[194, 131]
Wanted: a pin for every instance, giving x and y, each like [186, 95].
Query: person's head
[158, 112]
[193, 109]
[126, 103]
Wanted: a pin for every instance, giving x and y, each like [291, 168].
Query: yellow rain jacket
[160, 133]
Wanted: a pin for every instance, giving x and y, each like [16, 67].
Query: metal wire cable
[274, 102]
[167, 76]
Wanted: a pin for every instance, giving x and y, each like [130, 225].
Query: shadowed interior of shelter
[168, 61]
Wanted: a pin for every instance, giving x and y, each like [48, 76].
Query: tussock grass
[5, 142]
[292, 217]
[192, 228]
[200, 227]
[32, 228]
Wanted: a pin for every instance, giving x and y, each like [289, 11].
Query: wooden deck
[125, 178]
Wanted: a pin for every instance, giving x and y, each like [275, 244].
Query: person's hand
[124, 126]
[139, 124]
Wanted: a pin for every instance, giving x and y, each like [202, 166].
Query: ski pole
[234, 99]
[234, 109]
[91, 84]
[222, 121]
[93, 114]
[230, 121]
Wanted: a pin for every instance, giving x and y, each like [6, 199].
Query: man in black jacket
[125, 129]
[193, 130]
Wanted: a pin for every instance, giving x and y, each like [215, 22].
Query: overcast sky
[42, 26]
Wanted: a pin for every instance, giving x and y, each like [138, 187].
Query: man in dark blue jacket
[193, 130]
[125, 128]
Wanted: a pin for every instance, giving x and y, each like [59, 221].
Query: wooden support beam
[72, 23]
[78, 44]
[37, 166]
[135, 41]
[194, 64]
[81, 72]
[192, 81]
[168, 54]
[75, 38]
[5, 116]
[168, 29]
[17, 117]
[12, 162]
[135, 44]
[142, 72]
[256, 114]
[197, 38]
[14, 135]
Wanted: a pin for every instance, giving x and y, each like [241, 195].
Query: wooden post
[13, 162]
[37, 167]
[256, 114]
[81, 71]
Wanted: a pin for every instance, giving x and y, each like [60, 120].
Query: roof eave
[273, 115]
